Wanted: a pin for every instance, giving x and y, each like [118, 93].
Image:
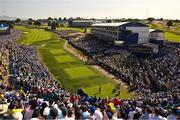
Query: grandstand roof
[4, 26]
[110, 24]
[157, 30]
[126, 24]
[151, 45]
[80, 21]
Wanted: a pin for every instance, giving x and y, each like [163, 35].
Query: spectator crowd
[32, 92]
[141, 74]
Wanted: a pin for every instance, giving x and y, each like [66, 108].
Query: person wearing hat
[91, 111]
[111, 108]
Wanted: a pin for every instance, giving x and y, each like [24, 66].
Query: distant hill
[4, 17]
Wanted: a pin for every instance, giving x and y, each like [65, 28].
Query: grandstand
[127, 32]
[4, 28]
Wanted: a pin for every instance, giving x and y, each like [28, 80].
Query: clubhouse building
[134, 35]
[124, 32]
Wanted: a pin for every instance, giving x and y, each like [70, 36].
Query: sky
[168, 9]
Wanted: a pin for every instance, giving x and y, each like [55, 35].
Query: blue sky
[91, 8]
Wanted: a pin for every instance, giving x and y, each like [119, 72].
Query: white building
[125, 32]
[143, 33]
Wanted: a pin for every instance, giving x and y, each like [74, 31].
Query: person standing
[100, 89]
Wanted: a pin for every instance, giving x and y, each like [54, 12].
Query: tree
[151, 19]
[177, 21]
[136, 20]
[129, 20]
[161, 19]
[50, 18]
[70, 21]
[169, 23]
[49, 23]
[117, 20]
[54, 25]
[60, 19]
[37, 23]
[65, 19]
[109, 21]
[11, 25]
[30, 19]
[18, 20]
[61, 25]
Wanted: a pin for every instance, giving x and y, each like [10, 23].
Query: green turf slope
[69, 70]
[172, 37]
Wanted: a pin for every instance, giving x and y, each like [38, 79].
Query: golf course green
[69, 70]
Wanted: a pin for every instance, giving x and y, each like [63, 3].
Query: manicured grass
[75, 29]
[33, 35]
[57, 51]
[76, 72]
[65, 59]
[69, 70]
[172, 37]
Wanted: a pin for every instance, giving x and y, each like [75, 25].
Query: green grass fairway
[65, 59]
[88, 30]
[172, 37]
[69, 70]
[57, 51]
[33, 35]
[76, 72]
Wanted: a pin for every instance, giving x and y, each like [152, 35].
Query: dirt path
[83, 58]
